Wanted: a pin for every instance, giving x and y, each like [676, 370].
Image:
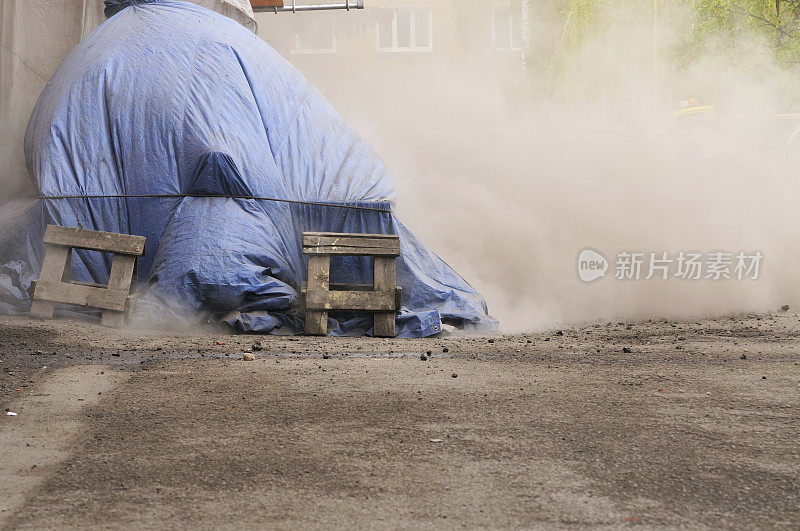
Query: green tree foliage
[689, 31]
[735, 23]
[580, 17]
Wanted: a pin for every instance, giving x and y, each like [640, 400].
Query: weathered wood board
[95, 240]
[55, 285]
[382, 298]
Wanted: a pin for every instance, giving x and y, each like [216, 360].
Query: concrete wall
[35, 36]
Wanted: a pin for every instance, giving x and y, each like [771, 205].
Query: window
[314, 36]
[500, 31]
[404, 30]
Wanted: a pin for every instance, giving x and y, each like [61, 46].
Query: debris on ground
[626, 350]
[248, 356]
[11, 414]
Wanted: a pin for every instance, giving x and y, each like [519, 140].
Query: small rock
[257, 346]
[491, 341]
[626, 350]
[763, 377]
[248, 356]
[436, 440]
[559, 333]
[743, 357]
[325, 356]
[785, 308]
[547, 339]
[428, 352]
[423, 357]
[445, 349]
[456, 376]
[39, 352]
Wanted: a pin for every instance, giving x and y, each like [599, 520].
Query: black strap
[249, 197]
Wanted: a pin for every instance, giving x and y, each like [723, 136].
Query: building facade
[405, 38]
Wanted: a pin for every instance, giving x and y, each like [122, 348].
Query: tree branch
[766, 21]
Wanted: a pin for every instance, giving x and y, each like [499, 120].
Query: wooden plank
[121, 272]
[384, 279]
[398, 291]
[42, 309]
[119, 279]
[352, 251]
[319, 275]
[56, 264]
[372, 301]
[106, 299]
[351, 235]
[95, 240]
[89, 284]
[346, 240]
[56, 267]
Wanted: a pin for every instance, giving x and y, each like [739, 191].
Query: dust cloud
[509, 187]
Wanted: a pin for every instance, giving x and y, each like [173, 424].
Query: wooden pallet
[55, 284]
[321, 296]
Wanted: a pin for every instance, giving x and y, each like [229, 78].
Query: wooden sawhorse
[382, 300]
[55, 284]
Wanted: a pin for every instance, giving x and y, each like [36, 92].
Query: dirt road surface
[658, 424]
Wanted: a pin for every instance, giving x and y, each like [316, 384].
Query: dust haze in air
[509, 186]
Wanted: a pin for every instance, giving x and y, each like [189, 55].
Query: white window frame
[395, 49]
[512, 48]
[297, 50]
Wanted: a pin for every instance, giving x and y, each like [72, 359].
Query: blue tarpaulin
[176, 123]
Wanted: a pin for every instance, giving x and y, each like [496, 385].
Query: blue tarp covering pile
[176, 123]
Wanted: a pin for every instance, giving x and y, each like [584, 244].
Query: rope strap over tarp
[247, 197]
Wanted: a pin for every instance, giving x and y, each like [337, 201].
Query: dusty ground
[116, 429]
